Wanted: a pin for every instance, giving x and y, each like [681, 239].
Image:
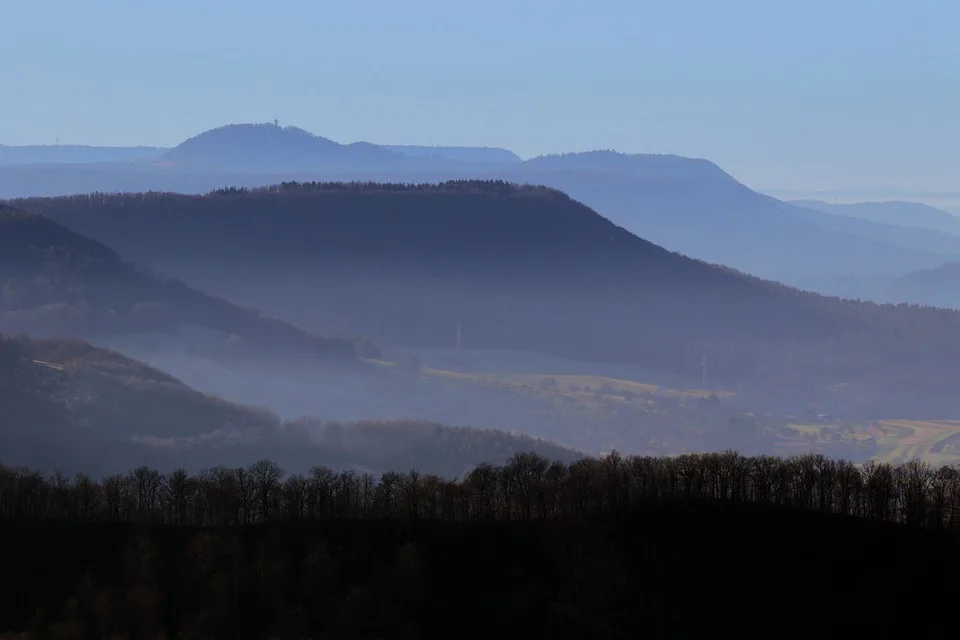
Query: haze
[844, 94]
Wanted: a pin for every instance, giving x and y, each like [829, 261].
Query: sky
[783, 94]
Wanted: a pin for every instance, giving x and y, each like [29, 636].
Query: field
[594, 412]
[675, 418]
[580, 386]
[935, 441]
[583, 388]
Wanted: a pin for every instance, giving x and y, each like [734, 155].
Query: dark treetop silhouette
[610, 547]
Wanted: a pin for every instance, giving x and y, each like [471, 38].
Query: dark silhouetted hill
[69, 405]
[518, 267]
[57, 283]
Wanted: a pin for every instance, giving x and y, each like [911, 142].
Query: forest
[608, 546]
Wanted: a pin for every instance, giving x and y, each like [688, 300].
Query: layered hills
[893, 212]
[517, 267]
[687, 205]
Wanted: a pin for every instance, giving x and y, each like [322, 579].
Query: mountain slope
[517, 267]
[895, 212]
[57, 283]
[69, 405]
[694, 207]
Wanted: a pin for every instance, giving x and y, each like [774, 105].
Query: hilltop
[57, 283]
[518, 267]
[268, 147]
[663, 165]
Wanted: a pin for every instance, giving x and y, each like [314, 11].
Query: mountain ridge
[895, 212]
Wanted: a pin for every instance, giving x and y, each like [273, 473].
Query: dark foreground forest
[609, 547]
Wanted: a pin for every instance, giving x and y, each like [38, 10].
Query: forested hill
[484, 229]
[520, 267]
[57, 283]
[71, 406]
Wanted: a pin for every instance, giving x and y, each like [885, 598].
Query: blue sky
[812, 94]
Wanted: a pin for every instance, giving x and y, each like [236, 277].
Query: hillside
[57, 283]
[69, 405]
[72, 406]
[901, 234]
[693, 207]
[518, 267]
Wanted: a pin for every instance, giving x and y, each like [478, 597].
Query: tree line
[528, 486]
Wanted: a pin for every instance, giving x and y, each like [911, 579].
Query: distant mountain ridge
[892, 212]
[647, 164]
[485, 155]
[76, 154]
[687, 205]
[256, 147]
[939, 286]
